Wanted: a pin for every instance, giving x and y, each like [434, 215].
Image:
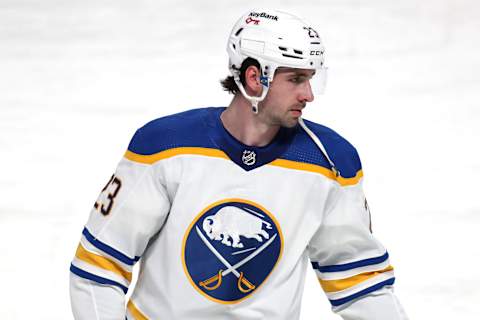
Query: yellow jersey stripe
[152, 158]
[289, 164]
[135, 312]
[350, 181]
[101, 262]
[338, 285]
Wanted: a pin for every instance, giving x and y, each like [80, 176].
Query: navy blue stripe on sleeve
[366, 291]
[351, 265]
[87, 275]
[107, 249]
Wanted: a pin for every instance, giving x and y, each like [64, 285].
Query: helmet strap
[252, 99]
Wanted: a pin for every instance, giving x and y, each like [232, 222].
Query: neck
[246, 126]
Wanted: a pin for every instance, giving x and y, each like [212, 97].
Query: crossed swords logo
[215, 281]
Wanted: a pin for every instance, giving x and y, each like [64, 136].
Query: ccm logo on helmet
[316, 53]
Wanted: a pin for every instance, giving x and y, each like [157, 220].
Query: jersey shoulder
[185, 129]
[340, 150]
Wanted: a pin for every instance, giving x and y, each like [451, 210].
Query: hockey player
[226, 207]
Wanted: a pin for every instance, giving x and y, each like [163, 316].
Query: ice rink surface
[78, 77]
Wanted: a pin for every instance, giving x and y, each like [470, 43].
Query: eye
[298, 79]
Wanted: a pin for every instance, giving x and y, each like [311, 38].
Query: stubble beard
[284, 120]
[290, 123]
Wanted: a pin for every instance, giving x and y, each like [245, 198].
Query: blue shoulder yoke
[191, 129]
[185, 129]
[340, 151]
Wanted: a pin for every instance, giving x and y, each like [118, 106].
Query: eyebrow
[297, 72]
[300, 74]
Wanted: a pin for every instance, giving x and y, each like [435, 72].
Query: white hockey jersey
[226, 231]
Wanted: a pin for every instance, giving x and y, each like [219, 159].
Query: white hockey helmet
[275, 39]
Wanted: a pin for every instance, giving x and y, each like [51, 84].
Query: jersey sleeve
[352, 266]
[129, 211]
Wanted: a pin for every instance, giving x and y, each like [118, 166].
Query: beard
[285, 120]
[274, 117]
[290, 123]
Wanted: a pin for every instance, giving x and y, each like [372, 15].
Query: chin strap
[319, 144]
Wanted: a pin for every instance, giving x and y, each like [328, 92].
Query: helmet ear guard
[266, 77]
[253, 99]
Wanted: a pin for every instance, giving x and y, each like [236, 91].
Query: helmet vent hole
[234, 46]
[238, 32]
[290, 56]
[298, 51]
[282, 48]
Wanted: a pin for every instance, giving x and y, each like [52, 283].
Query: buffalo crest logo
[230, 249]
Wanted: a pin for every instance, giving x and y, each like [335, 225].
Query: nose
[307, 93]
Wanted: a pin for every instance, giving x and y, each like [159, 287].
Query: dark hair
[228, 84]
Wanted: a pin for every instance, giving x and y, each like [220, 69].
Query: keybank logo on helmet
[263, 15]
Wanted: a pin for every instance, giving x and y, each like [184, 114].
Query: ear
[252, 81]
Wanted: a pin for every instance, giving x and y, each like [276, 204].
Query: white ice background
[78, 77]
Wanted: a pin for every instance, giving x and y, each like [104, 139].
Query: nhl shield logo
[230, 249]
[249, 157]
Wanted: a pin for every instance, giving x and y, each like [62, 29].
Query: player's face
[289, 93]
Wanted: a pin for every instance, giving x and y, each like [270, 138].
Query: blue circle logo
[230, 249]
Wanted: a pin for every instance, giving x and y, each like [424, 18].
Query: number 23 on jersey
[106, 200]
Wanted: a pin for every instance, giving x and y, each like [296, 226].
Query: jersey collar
[247, 157]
